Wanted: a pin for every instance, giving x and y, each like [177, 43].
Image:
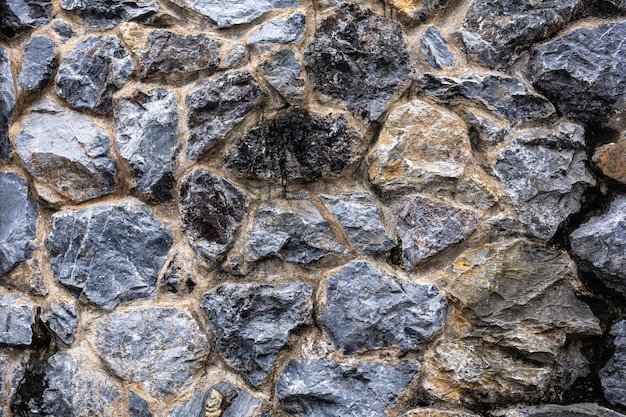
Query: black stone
[19, 15]
[40, 63]
[138, 407]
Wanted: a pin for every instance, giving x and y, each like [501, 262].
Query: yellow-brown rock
[611, 159]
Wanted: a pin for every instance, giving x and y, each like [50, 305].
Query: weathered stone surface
[367, 309]
[297, 145]
[103, 14]
[418, 10]
[109, 253]
[292, 230]
[7, 102]
[18, 220]
[40, 63]
[160, 347]
[544, 174]
[323, 388]
[236, 55]
[55, 139]
[613, 374]
[485, 128]
[211, 210]
[13, 365]
[221, 400]
[284, 73]
[426, 227]
[582, 72]
[16, 318]
[611, 159]
[361, 218]
[63, 29]
[286, 30]
[192, 408]
[252, 323]
[138, 407]
[91, 72]
[601, 244]
[554, 410]
[360, 58]
[435, 49]
[434, 412]
[147, 137]
[19, 15]
[62, 319]
[418, 145]
[217, 105]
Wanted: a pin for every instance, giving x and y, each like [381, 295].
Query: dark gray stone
[554, 410]
[18, 221]
[138, 407]
[104, 14]
[16, 320]
[435, 49]
[368, 309]
[62, 319]
[613, 374]
[40, 63]
[360, 217]
[284, 73]
[91, 72]
[297, 145]
[323, 388]
[361, 58]
[7, 102]
[215, 106]
[17, 16]
[211, 209]
[63, 29]
[292, 230]
[236, 55]
[55, 139]
[227, 400]
[251, 323]
[286, 30]
[109, 253]
[147, 137]
[485, 128]
[193, 407]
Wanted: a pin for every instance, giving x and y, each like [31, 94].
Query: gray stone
[416, 10]
[367, 309]
[7, 102]
[160, 347]
[435, 49]
[62, 319]
[215, 106]
[104, 14]
[226, 13]
[544, 174]
[18, 221]
[55, 139]
[64, 30]
[485, 128]
[235, 402]
[613, 374]
[193, 407]
[361, 58]
[236, 55]
[323, 388]
[284, 73]
[109, 253]
[17, 16]
[91, 72]
[211, 209]
[292, 230]
[426, 227]
[251, 323]
[555, 410]
[16, 320]
[138, 407]
[360, 217]
[13, 364]
[297, 145]
[147, 137]
[286, 30]
[601, 244]
[40, 63]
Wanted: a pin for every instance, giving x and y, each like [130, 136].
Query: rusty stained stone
[611, 159]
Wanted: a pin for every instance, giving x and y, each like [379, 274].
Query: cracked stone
[62, 319]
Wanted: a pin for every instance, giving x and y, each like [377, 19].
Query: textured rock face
[252, 323]
[17, 16]
[138, 407]
[16, 318]
[613, 374]
[435, 49]
[418, 10]
[550, 410]
[287, 30]
[284, 73]
[40, 63]
[611, 159]
[7, 102]
[62, 320]
[108, 253]
[102, 14]
[221, 400]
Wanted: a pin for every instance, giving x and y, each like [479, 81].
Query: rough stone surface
[147, 137]
[62, 319]
[16, 16]
[7, 102]
[485, 127]
[613, 374]
[40, 63]
[360, 58]
[286, 30]
[16, 318]
[611, 159]
[252, 323]
[323, 388]
[555, 410]
[434, 412]
[284, 73]
[138, 407]
[418, 10]
[103, 14]
[297, 145]
[108, 253]
[18, 219]
[435, 49]
[55, 139]
[91, 72]
[215, 106]
[220, 400]
[63, 29]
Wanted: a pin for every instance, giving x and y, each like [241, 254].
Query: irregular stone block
[147, 137]
[360, 58]
[17, 16]
[57, 140]
[549, 410]
[287, 30]
[252, 323]
[435, 412]
[91, 72]
[418, 10]
[297, 145]
[40, 63]
[16, 320]
[485, 128]
[104, 14]
[284, 73]
[138, 407]
[13, 366]
[613, 374]
[62, 319]
[221, 400]
[367, 309]
[109, 253]
[435, 49]
[160, 347]
[18, 221]
[611, 159]
[63, 29]
[7, 101]
[215, 106]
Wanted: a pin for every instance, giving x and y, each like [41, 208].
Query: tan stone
[416, 9]
[611, 159]
[433, 412]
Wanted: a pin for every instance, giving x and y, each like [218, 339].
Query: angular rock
[360, 58]
[435, 49]
[192, 408]
[550, 410]
[138, 407]
[62, 319]
[17, 16]
[104, 14]
[544, 174]
[147, 137]
[91, 72]
[63, 29]
[435, 412]
[16, 320]
[221, 400]
[323, 388]
[109, 253]
[360, 217]
[236, 55]
[251, 323]
[284, 73]
[613, 374]
[611, 159]
[292, 230]
[418, 10]
[7, 102]
[367, 309]
[18, 221]
[601, 244]
[485, 128]
[286, 30]
[55, 139]
[40, 63]
[426, 227]
[297, 145]
[160, 347]
[215, 106]
[211, 210]
[13, 366]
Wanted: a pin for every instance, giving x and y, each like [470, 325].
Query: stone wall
[311, 207]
